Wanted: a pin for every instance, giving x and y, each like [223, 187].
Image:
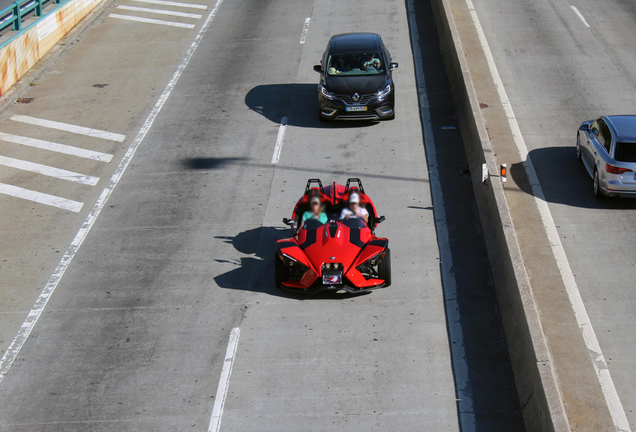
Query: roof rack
[309, 183]
[354, 180]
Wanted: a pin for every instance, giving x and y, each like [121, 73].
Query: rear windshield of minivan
[625, 152]
[356, 63]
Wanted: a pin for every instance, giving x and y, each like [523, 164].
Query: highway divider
[541, 402]
[20, 52]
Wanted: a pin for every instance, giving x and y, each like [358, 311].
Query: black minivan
[355, 79]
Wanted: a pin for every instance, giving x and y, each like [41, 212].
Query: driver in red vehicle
[315, 211]
[354, 209]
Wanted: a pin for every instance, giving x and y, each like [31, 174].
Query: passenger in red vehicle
[315, 211]
[354, 209]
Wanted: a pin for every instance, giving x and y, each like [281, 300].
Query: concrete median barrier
[19, 54]
[542, 405]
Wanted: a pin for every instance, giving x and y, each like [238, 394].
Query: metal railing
[16, 14]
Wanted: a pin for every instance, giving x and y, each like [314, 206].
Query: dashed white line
[96, 133]
[55, 147]
[580, 15]
[160, 11]
[456, 334]
[175, 4]
[48, 171]
[224, 381]
[41, 198]
[279, 140]
[34, 314]
[303, 35]
[589, 336]
[151, 21]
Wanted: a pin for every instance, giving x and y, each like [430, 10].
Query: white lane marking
[224, 381]
[303, 35]
[600, 365]
[456, 334]
[55, 147]
[175, 4]
[48, 171]
[151, 21]
[96, 133]
[160, 11]
[27, 326]
[580, 15]
[41, 198]
[279, 140]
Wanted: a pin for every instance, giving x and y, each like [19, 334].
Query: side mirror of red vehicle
[291, 224]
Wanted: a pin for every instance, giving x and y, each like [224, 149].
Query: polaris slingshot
[337, 255]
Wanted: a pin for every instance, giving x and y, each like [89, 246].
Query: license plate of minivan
[357, 108]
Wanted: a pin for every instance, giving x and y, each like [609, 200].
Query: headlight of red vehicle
[296, 268]
[369, 268]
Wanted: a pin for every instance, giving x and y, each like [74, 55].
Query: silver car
[607, 147]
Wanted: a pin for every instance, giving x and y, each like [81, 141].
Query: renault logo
[355, 97]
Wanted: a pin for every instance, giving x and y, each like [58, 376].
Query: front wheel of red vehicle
[280, 271]
[384, 268]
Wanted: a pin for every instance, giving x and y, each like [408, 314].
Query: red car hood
[333, 242]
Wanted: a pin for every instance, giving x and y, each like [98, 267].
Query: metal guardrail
[16, 14]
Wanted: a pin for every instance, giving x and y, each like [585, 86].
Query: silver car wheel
[597, 187]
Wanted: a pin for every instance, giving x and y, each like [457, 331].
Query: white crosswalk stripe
[160, 12]
[55, 147]
[16, 191]
[69, 128]
[167, 12]
[151, 21]
[48, 171]
[175, 4]
[41, 198]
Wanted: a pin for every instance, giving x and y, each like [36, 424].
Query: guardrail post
[17, 18]
[38, 8]
[57, 1]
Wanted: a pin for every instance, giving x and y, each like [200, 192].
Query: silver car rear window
[625, 152]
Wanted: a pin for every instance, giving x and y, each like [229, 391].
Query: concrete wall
[22, 52]
[542, 406]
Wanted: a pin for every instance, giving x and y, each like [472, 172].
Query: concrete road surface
[563, 63]
[134, 336]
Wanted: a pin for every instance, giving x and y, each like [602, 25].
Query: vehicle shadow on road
[256, 271]
[297, 102]
[564, 180]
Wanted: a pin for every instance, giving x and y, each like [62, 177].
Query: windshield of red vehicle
[354, 222]
[625, 152]
[312, 224]
[356, 64]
